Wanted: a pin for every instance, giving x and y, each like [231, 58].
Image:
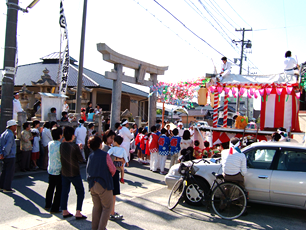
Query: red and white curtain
[280, 111]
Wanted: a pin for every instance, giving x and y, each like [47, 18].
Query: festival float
[279, 93]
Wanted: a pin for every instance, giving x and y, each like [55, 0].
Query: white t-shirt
[80, 135]
[181, 132]
[226, 68]
[191, 134]
[65, 108]
[126, 134]
[46, 137]
[186, 143]
[16, 108]
[35, 148]
[118, 152]
[289, 63]
[234, 163]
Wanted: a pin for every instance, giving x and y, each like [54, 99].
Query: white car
[276, 175]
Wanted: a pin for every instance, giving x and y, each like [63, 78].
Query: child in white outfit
[119, 156]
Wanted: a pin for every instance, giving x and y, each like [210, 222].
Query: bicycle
[227, 199]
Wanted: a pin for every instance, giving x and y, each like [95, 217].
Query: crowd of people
[61, 150]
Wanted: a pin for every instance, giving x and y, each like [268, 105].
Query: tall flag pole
[65, 43]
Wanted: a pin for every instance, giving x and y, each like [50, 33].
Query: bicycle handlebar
[205, 161]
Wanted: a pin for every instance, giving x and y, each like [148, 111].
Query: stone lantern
[85, 96]
[126, 114]
[25, 96]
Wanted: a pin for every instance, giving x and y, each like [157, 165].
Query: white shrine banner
[65, 44]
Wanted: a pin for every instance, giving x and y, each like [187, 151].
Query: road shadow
[25, 188]
[134, 183]
[27, 206]
[147, 178]
[257, 215]
[127, 226]
[163, 214]
[80, 224]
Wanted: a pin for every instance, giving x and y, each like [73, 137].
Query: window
[292, 160]
[260, 158]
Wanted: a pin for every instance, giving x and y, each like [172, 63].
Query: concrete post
[152, 103]
[100, 124]
[116, 97]
[94, 97]
[21, 118]
[138, 121]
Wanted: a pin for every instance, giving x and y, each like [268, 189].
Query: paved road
[142, 202]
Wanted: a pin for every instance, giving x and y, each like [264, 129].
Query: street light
[32, 4]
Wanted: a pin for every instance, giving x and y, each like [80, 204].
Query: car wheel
[192, 195]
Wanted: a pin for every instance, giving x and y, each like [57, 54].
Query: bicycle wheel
[228, 200]
[176, 193]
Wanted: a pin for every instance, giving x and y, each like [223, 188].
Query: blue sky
[130, 29]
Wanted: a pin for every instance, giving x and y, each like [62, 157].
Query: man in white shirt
[80, 136]
[290, 65]
[65, 107]
[191, 130]
[225, 69]
[234, 164]
[127, 136]
[180, 129]
[16, 106]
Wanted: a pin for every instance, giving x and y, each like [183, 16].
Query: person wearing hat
[127, 136]
[16, 106]
[8, 155]
[180, 129]
[80, 136]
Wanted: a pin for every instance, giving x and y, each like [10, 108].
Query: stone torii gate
[141, 68]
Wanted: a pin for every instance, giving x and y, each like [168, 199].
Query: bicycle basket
[186, 168]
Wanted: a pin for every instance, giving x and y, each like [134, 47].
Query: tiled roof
[33, 72]
[55, 55]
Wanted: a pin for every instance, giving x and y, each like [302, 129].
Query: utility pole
[243, 42]
[9, 63]
[80, 72]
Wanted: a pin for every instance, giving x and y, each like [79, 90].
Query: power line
[199, 12]
[218, 12]
[187, 27]
[237, 13]
[226, 14]
[170, 29]
[213, 17]
[213, 7]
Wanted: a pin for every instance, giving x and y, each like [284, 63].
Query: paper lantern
[241, 92]
[289, 90]
[279, 92]
[212, 98]
[202, 96]
[226, 90]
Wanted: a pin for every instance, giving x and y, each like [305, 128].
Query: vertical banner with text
[65, 45]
